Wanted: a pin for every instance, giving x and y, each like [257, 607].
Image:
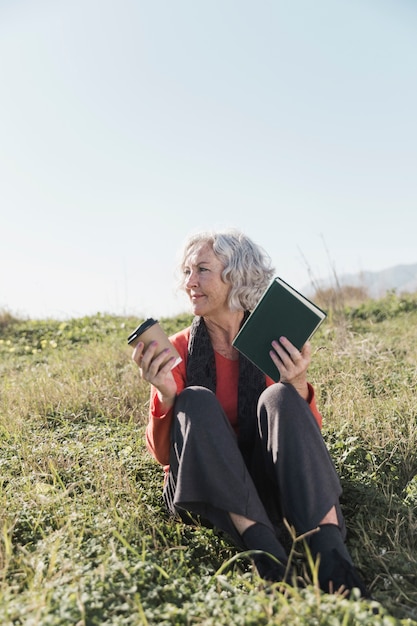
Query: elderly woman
[240, 451]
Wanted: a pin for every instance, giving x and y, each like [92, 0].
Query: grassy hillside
[84, 536]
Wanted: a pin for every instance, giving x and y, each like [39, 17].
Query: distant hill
[400, 278]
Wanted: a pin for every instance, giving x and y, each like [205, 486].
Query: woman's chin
[197, 307]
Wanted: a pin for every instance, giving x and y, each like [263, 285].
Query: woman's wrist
[166, 402]
[303, 389]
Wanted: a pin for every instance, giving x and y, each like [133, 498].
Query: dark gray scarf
[201, 370]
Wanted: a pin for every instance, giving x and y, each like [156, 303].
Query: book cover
[281, 311]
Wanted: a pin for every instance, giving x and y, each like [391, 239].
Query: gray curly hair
[247, 267]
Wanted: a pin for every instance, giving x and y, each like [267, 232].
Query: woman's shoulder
[180, 341]
[181, 336]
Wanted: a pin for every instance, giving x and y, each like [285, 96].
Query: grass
[84, 537]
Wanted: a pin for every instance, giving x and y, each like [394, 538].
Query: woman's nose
[191, 279]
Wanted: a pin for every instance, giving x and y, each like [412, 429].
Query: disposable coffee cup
[149, 331]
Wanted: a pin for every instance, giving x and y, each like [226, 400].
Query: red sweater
[158, 431]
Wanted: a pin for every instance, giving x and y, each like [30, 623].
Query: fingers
[155, 370]
[143, 358]
[137, 353]
[306, 351]
[152, 367]
[288, 359]
[292, 364]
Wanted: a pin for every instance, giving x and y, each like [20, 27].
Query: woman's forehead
[201, 251]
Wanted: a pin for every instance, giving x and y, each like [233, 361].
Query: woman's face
[203, 282]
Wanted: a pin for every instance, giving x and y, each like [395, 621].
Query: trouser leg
[291, 459]
[208, 476]
[292, 466]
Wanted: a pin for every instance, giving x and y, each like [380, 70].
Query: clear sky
[126, 125]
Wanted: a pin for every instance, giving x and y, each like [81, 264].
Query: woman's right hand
[154, 371]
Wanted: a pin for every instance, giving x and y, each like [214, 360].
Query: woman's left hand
[292, 364]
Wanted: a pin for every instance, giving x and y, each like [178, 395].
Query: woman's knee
[194, 398]
[278, 396]
[196, 406]
[282, 403]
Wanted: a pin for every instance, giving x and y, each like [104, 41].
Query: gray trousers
[291, 474]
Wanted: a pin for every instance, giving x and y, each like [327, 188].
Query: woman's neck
[223, 331]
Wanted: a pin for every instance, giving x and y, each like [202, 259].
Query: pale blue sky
[127, 125]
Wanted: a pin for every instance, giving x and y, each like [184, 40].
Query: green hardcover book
[281, 312]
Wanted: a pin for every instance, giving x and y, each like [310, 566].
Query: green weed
[84, 536]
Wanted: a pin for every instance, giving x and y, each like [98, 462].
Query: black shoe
[342, 575]
[271, 570]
